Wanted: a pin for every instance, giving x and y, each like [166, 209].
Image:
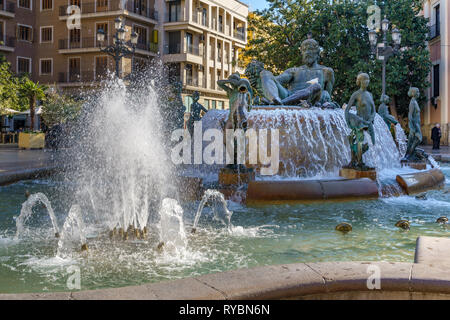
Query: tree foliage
[340, 27]
[9, 88]
[59, 109]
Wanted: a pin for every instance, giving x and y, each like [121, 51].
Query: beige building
[198, 40]
[437, 108]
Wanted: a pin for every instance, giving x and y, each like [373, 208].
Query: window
[437, 12]
[24, 4]
[174, 11]
[142, 32]
[23, 65]
[220, 23]
[75, 35]
[104, 27]
[188, 102]
[204, 15]
[102, 5]
[220, 105]
[46, 67]
[206, 104]
[46, 34]
[46, 4]
[213, 104]
[2, 34]
[101, 66]
[436, 82]
[219, 51]
[24, 33]
[74, 69]
[189, 45]
[139, 7]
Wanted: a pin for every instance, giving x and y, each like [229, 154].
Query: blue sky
[256, 4]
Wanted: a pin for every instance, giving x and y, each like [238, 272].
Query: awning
[7, 111]
[38, 110]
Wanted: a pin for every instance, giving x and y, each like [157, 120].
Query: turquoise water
[260, 236]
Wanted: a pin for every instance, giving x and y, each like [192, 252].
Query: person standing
[436, 136]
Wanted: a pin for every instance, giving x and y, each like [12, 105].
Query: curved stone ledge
[273, 191]
[328, 280]
[18, 175]
[421, 181]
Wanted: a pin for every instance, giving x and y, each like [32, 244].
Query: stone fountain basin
[426, 278]
[267, 192]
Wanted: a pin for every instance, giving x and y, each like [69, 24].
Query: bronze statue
[239, 93]
[362, 120]
[415, 134]
[383, 111]
[196, 111]
[311, 82]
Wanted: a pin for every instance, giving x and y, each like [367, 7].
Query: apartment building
[198, 40]
[437, 107]
[201, 44]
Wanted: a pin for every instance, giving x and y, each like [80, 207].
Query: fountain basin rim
[323, 280]
[427, 278]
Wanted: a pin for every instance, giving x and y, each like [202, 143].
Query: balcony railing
[435, 31]
[176, 49]
[152, 47]
[8, 6]
[239, 35]
[8, 41]
[82, 76]
[113, 5]
[83, 43]
[199, 82]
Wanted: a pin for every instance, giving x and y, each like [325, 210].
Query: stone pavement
[17, 164]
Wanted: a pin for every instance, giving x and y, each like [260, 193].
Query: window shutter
[155, 36]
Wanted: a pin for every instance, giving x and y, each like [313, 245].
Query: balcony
[83, 43]
[152, 47]
[199, 82]
[113, 5]
[435, 31]
[176, 49]
[239, 34]
[8, 44]
[82, 76]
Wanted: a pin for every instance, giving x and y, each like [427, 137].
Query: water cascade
[219, 207]
[73, 237]
[313, 142]
[27, 211]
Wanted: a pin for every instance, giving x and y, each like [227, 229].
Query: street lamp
[119, 49]
[384, 50]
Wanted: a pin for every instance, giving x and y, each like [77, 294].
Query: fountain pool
[258, 236]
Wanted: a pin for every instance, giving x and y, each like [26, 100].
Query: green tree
[340, 27]
[59, 109]
[9, 87]
[32, 92]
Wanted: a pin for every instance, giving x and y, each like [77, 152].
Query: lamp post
[385, 51]
[119, 49]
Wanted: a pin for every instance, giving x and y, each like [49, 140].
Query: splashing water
[27, 211]
[120, 165]
[217, 200]
[433, 162]
[171, 226]
[314, 142]
[401, 139]
[73, 233]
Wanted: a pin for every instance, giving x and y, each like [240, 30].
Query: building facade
[437, 107]
[55, 40]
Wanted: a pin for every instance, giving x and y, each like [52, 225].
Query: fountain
[125, 210]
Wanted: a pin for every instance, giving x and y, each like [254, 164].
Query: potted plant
[32, 92]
